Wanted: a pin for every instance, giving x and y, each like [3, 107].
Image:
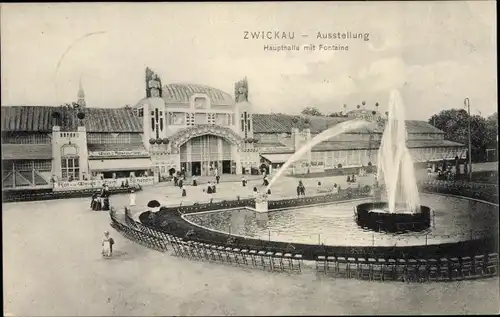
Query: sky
[435, 53]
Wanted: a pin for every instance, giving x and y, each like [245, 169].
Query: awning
[277, 158]
[120, 165]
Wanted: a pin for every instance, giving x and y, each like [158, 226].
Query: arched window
[70, 163]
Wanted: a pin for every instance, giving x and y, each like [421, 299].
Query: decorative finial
[81, 94]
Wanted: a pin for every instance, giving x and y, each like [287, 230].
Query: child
[107, 243]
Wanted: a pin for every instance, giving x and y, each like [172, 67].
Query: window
[211, 118]
[23, 165]
[106, 138]
[43, 165]
[190, 119]
[140, 112]
[26, 138]
[70, 167]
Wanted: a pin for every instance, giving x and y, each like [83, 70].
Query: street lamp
[467, 104]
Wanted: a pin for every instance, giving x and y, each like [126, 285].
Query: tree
[312, 111]
[492, 131]
[454, 123]
[336, 114]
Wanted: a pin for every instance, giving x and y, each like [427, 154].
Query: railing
[135, 233]
[411, 263]
[481, 191]
[37, 195]
[409, 270]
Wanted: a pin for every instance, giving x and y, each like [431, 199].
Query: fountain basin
[373, 216]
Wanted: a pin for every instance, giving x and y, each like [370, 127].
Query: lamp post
[467, 104]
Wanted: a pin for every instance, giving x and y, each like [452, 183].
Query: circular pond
[453, 219]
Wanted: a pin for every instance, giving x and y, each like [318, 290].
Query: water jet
[402, 212]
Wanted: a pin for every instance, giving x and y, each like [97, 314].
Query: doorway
[226, 167]
[196, 168]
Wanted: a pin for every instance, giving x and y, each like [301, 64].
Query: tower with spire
[81, 95]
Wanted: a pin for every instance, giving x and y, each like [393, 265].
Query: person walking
[131, 198]
[335, 189]
[217, 178]
[195, 182]
[183, 191]
[243, 181]
[266, 181]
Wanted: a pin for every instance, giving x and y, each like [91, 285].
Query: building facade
[50, 147]
[195, 128]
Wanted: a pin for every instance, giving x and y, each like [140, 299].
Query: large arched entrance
[205, 148]
[202, 155]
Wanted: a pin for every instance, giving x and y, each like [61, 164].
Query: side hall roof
[40, 119]
[283, 123]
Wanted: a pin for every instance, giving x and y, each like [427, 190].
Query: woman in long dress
[106, 244]
[131, 198]
[183, 191]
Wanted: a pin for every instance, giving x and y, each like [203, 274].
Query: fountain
[323, 136]
[261, 204]
[402, 212]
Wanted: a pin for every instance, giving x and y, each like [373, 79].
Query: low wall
[36, 195]
[348, 193]
[170, 220]
[370, 216]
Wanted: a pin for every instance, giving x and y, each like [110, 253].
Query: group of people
[351, 179]
[100, 200]
[180, 177]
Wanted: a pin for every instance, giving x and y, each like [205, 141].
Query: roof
[283, 123]
[277, 158]
[180, 93]
[26, 151]
[267, 144]
[431, 143]
[39, 119]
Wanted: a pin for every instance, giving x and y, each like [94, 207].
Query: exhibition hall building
[192, 128]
